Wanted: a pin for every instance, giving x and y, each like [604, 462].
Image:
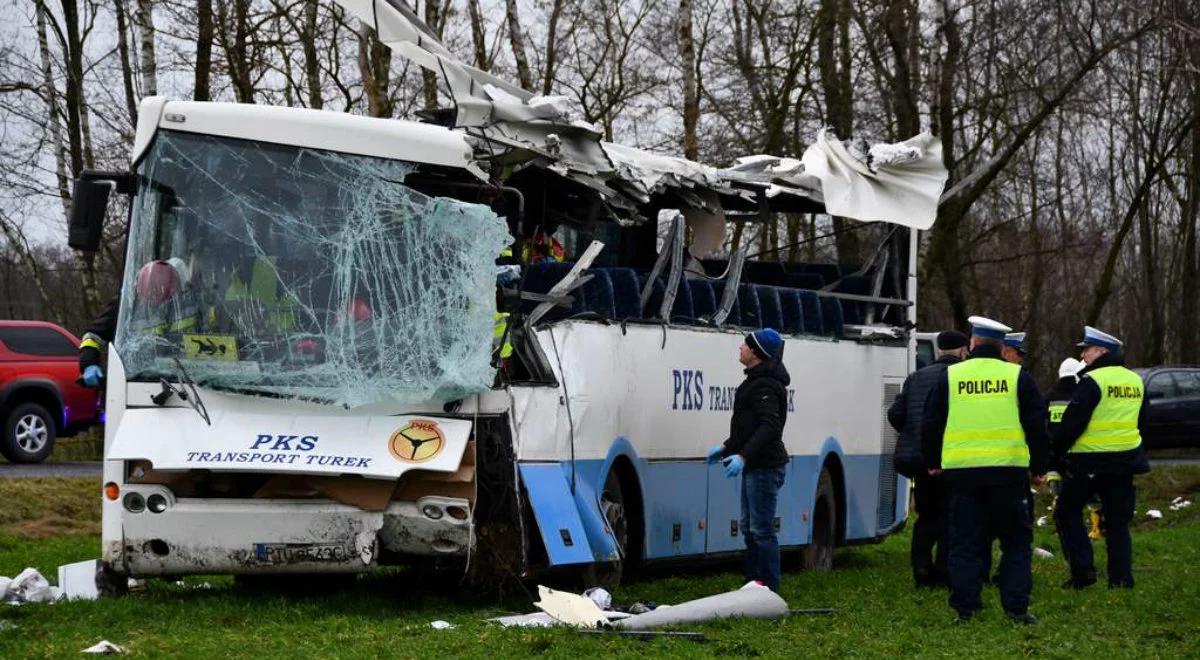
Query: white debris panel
[898, 183]
[306, 273]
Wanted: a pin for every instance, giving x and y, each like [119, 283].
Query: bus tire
[818, 554]
[613, 508]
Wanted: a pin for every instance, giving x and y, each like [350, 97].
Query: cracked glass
[301, 273]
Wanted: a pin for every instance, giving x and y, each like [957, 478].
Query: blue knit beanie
[767, 344]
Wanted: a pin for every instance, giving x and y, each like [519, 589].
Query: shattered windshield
[304, 273]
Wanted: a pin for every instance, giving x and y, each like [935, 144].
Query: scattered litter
[1042, 553]
[29, 587]
[642, 608]
[104, 646]
[78, 580]
[441, 625]
[825, 611]
[1041, 521]
[600, 597]
[543, 620]
[1179, 503]
[571, 609]
[7, 625]
[1154, 513]
[135, 585]
[751, 603]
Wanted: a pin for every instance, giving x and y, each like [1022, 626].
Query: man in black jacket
[929, 494]
[984, 430]
[1098, 443]
[755, 450]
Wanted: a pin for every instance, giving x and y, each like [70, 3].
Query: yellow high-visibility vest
[499, 326]
[1114, 423]
[983, 424]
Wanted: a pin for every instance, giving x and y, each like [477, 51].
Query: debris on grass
[441, 625]
[1042, 553]
[104, 647]
[600, 597]
[1154, 513]
[1041, 521]
[29, 587]
[571, 609]
[1179, 503]
[751, 603]
[78, 580]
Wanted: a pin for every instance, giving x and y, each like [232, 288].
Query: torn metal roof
[895, 183]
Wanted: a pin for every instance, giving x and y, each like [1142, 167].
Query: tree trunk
[52, 113]
[201, 87]
[145, 20]
[126, 66]
[312, 59]
[479, 35]
[235, 35]
[1188, 335]
[552, 47]
[833, 54]
[691, 98]
[374, 63]
[516, 39]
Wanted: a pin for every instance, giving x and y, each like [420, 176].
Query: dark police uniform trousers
[1117, 499]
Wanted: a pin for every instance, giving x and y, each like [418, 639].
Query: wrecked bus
[307, 373]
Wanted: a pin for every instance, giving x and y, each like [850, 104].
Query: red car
[39, 398]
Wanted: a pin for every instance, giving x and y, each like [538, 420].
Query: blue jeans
[760, 492]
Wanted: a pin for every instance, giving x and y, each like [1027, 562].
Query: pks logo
[417, 442]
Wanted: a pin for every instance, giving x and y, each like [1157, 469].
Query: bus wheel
[612, 507]
[818, 555]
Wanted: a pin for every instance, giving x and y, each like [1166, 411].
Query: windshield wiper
[193, 400]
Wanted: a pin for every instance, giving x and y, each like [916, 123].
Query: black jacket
[1062, 392]
[759, 413]
[906, 411]
[1033, 422]
[103, 328]
[1079, 412]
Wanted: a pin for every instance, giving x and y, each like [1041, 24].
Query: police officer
[1014, 348]
[1060, 395]
[985, 432]
[929, 493]
[1099, 444]
[95, 338]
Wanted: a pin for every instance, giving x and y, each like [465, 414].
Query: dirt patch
[47, 507]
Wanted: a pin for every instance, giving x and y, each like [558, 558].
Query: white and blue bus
[316, 368]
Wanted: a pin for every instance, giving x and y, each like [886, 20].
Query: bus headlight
[156, 503]
[134, 502]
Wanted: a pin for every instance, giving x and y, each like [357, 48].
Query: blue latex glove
[734, 465]
[714, 454]
[92, 376]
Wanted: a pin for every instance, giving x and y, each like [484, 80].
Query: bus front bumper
[265, 536]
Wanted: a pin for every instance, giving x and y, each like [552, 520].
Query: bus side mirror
[89, 202]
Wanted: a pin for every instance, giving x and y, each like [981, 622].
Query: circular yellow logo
[418, 441]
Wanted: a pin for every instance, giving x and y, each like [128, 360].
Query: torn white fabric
[901, 188]
[309, 274]
[29, 587]
[570, 609]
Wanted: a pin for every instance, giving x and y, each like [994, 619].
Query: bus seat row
[615, 293]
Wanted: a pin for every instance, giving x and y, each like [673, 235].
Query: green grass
[877, 613]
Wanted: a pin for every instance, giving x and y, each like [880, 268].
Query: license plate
[294, 553]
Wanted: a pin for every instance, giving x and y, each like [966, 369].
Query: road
[80, 469]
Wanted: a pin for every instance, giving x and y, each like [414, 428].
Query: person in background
[1014, 348]
[1099, 445]
[984, 429]
[755, 450]
[929, 492]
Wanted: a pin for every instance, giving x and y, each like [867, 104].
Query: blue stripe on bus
[690, 507]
